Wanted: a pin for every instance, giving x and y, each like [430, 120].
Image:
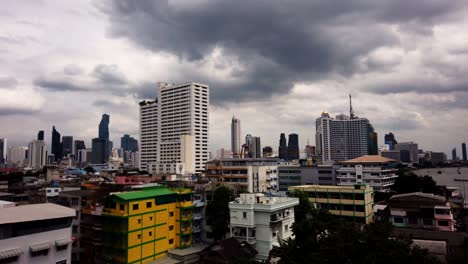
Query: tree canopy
[408, 182]
[217, 212]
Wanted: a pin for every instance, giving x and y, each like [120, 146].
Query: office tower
[99, 151]
[293, 147]
[342, 138]
[104, 134]
[67, 145]
[283, 148]
[3, 150]
[464, 151]
[253, 146]
[78, 145]
[174, 129]
[454, 154]
[309, 150]
[56, 146]
[17, 156]
[236, 144]
[267, 152]
[390, 140]
[40, 135]
[372, 143]
[408, 152]
[223, 153]
[128, 143]
[37, 150]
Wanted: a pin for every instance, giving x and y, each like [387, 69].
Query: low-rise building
[306, 175]
[352, 202]
[36, 233]
[377, 171]
[261, 220]
[421, 210]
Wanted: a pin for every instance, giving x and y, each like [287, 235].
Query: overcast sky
[275, 66]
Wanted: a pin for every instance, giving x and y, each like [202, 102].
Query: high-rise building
[3, 150]
[454, 154]
[223, 153]
[342, 138]
[309, 150]
[464, 151]
[283, 148]
[17, 156]
[67, 145]
[104, 134]
[174, 129]
[267, 152]
[78, 145]
[236, 144]
[37, 152]
[293, 147]
[128, 143]
[253, 146]
[99, 151]
[373, 145]
[56, 145]
[408, 151]
[390, 140]
[40, 135]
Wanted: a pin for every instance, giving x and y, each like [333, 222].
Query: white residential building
[262, 221]
[236, 144]
[377, 171]
[36, 233]
[174, 129]
[37, 150]
[17, 156]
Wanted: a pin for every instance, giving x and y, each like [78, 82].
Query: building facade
[98, 151]
[3, 150]
[56, 145]
[67, 145]
[236, 143]
[140, 226]
[293, 147]
[262, 221]
[283, 147]
[103, 133]
[128, 143]
[374, 170]
[77, 146]
[464, 151]
[267, 152]
[390, 140]
[409, 152]
[37, 154]
[254, 146]
[174, 129]
[36, 233]
[351, 202]
[17, 156]
[295, 175]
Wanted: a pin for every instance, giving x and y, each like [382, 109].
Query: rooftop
[363, 186]
[34, 212]
[144, 193]
[369, 159]
[419, 194]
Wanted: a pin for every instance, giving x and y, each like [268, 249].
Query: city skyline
[405, 79]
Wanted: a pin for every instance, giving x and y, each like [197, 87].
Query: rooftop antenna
[351, 111]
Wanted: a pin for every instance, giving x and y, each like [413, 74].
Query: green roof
[144, 193]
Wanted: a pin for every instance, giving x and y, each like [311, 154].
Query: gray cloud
[8, 82]
[72, 69]
[109, 74]
[59, 85]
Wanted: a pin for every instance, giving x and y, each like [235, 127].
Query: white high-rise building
[37, 154]
[236, 143]
[17, 156]
[342, 138]
[174, 129]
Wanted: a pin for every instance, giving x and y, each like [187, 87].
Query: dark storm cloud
[277, 42]
[59, 85]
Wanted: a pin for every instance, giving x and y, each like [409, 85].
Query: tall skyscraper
[99, 151]
[253, 146]
[56, 145]
[409, 149]
[104, 134]
[293, 147]
[372, 141]
[67, 145]
[78, 145]
[3, 150]
[128, 143]
[236, 144]
[464, 151]
[390, 140]
[283, 148]
[174, 129]
[454, 154]
[40, 135]
[37, 151]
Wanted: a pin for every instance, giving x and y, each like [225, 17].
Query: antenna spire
[351, 111]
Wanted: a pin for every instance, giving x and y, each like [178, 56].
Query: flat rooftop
[34, 212]
[369, 159]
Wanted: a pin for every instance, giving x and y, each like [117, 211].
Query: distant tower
[454, 154]
[464, 151]
[293, 147]
[40, 135]
[67, 145]
[390, 140]
[104, 134]
[351, 111]
[56, 145]
[283, 148]
[235, 137]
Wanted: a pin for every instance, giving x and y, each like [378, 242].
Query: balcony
[185, 217]
[250, 240]
[186, 230]
[197, 216]
[196, 229]
[198, 203]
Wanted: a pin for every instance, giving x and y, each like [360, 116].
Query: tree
[89, 170]
[408, 182]
[217, 212]
[301, 211]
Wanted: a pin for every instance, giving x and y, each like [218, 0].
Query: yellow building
[141, 226]
[354, 202]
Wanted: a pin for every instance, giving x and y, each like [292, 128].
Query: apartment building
[295, 175]
[140, 226]
[262, 221]
[377, 171]
[351, 202]
[36, 233]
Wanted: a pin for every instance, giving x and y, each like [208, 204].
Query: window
[150, 233]
[138, 236]
[171, 241]
[151, 218]
[135, 207]
[286, 228]
[44, 252]
[171, 228]
[442, 223]
[148, 205]
[139, 221]
[122, 207]
[398, 220]
[274, 234]
[171, 214]
[244, 214]
[59, 248]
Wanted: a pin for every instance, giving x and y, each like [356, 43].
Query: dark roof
[228, 251]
